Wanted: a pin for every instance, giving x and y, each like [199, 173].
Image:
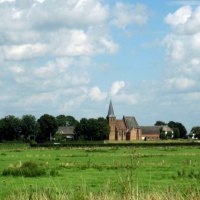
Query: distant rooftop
[130, 122]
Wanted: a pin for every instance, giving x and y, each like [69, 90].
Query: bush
[27, 169]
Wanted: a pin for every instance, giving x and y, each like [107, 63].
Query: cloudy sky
[71, 56]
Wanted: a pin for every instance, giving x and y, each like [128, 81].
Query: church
[127, 128]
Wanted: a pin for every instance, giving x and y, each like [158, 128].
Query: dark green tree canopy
[92, 129]
[10, 128]
[63, 120]
[160, 123]
[177, 125]
[47, 127]
[196, 131]
[29, 126]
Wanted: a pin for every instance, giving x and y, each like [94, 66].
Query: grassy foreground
[99, 173]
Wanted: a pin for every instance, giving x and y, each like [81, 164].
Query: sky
[72, 56]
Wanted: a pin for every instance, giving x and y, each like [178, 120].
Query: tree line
[44, 129]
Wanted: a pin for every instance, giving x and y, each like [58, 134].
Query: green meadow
[97, 170]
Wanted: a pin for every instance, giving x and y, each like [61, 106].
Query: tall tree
[179, 126]
[10, 128]
[71, 121]
[29, 126]
[47, 127]
[63, 120]
[196, 131]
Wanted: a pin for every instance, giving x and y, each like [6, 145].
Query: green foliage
[196, 131]
[10, 128]
[29, 126]
[63, 120]
[47, 127]
[27, 169]
[176, 133]
[193, 174]
[92, 129]
[163, 136]
[54, 172]
[160, 123]
[58, 136]
[181, 129]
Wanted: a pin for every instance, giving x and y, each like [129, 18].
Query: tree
[160, 123]
[47, 127]
[63, 120]
[182, 130]
[10, 128]
[196, 131]
[92, 129]
[81, 129]
[103, 128]
[177, 125]
[29, 126]
[1, 130]
[71, 121]
[176, 133]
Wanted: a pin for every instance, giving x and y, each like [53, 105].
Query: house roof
[66, 130]
[166, 128]
[150, 129]
[111, 110]
[120, 125]
[130, 122]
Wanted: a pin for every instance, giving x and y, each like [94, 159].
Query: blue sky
[71, 56]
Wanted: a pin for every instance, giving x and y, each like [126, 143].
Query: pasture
[97, 170]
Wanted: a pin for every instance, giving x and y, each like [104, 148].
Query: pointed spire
[110, 110]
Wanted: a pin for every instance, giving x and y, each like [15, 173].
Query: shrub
[54, 172]
[27, 169]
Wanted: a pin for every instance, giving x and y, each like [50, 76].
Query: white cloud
[96, 94]
[185, 20]
[181, 16]
[72, 43]
[67, 13]
[116, 87]
[175, 47]
[25, 51]
[3, 1]
[17, 69]
[181, 83]
[58, 29]
[47, 50]
[183, 49]
[127, 14]
[108, 46]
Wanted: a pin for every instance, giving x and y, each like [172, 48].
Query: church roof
[120, 125]
[111, 110]
[130, 122]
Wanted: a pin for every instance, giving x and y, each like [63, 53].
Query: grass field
[97, 169]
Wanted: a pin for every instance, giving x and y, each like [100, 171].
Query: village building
[67, 132]
[128, 129]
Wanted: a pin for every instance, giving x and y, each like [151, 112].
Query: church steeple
[111, 121]
[111, 110]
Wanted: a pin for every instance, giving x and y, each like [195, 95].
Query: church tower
[112, 121]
